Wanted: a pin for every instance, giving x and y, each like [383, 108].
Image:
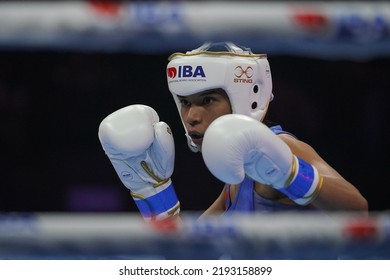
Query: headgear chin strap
[243, 75]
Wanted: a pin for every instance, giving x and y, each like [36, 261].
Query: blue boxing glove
[141, 149]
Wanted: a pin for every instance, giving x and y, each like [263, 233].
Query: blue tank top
[247, 200]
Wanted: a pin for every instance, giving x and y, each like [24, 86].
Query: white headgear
[244, 76]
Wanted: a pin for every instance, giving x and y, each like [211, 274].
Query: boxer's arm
[217, 207]
[235, 146]
[337, 193]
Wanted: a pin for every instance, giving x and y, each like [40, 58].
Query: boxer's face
[199, 110]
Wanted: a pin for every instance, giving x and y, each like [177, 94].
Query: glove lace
[159, 181]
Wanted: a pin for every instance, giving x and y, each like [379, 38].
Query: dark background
[51, 104]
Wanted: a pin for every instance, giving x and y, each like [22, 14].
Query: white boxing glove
[236, 145]
[142, 151]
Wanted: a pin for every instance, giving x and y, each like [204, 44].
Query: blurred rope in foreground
[260, 236]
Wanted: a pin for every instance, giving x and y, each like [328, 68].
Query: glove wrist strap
[305, 184]
[158, 206]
